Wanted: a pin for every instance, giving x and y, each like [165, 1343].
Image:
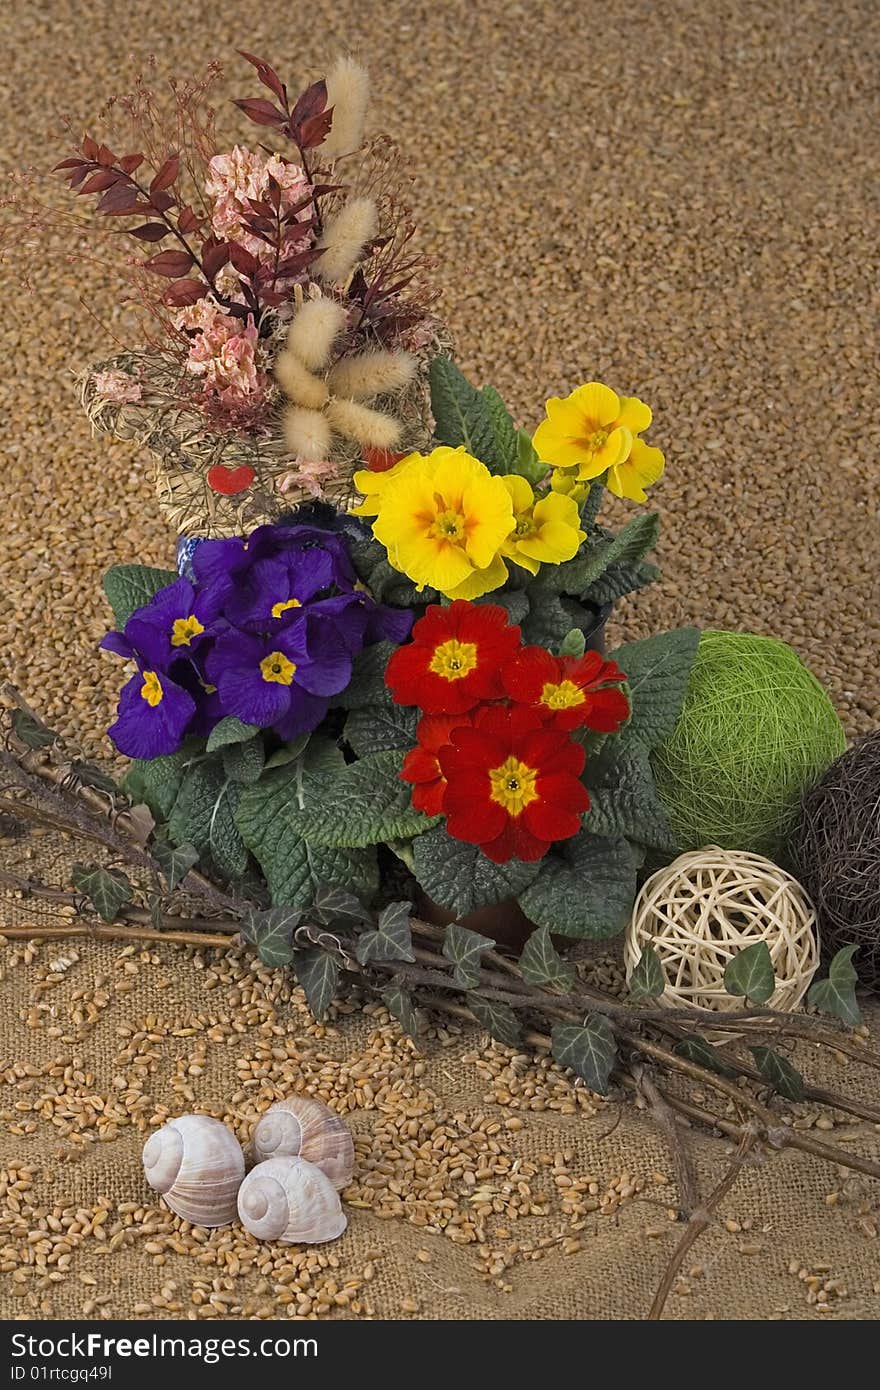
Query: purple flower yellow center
[151, 690]
[453, 660]
[184, 630]
[513, 785]
[565, 695]
[282, 607]
[277, 668]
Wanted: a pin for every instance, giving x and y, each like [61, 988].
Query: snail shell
[291, 1201]
[303, 1127]
[197, 1164]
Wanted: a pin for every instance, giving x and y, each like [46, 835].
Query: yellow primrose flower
[372, 485]
[642, 468]
[443, 519]
[565, 481]
[591, 429]
[546, 531]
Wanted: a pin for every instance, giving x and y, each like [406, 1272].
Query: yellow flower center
[513, 785]
[594, 442]
[565, 695]
[276, 667]
[279, 608]
[151, 690]
[184, 630]
[453, 659]
[208, 689]
[525, 526]
[448, 525]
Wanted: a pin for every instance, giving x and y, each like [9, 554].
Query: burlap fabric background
[487, 1187]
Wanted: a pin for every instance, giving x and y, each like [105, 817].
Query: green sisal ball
[756, 730]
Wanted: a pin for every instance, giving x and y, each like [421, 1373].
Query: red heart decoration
[230, 481]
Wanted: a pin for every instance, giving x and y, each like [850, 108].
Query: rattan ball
[707, 906]
[835, 851]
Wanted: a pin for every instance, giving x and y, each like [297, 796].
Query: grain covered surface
[678, 199]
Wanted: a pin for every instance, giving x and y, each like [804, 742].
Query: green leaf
[362, 804]
[590, 1051]
[336, 906]
[657, 670]
[527, 463]
[462, 414]
[460, 878]
[204, 816]
[499, 1021]
[367, 685]
[229, 731]
[272, 934]
[779, 1072]
[623, 797]
[288, 753]
[505, 436]
[398, 1002]
[392, 938]
[381, 728]
[243, 762]
[619, 580]
[629, 546]
[129, 587]
[647, 980]
[175, 861]
[836, 995]
[585, 888]
[32, 733]
[703, 1054]
[514, 601]
[549, 619]
[750, 974]
[573, 644]
[465, 948]
[318, 973]
[106, 889]
[592, 505]
[156, 782]
[541, 963]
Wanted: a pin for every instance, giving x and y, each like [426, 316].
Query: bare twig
[685, 1169]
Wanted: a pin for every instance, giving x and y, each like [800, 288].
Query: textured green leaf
[591, 506]
[505, 436]
[129, 587]
[204, 816]
[381, 728]
[243, 762]
[175, 861]
[629, 546]
[499, 1021]
[272, 934]
[647, 980]
[367, 685]
[318, 973]
[836, 994]
[527, 462]
[589, 1051]
[363, 804]
[398, 1002]
[657, 670]
[32, 733]
[156, 782]
[462, 414]
[623, 797]
[619, 580]
[750, 974]
[229, 731]
[288, 753]
[465, 949]
[550, 618]
[106, 889]
[585, 888]
[541, 963]
[779, 1072]
[573, 644]
[337, 906]
[460, 878]
[703, 1054]
[392, 937]
[514, 601]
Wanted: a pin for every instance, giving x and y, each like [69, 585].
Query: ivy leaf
[657, 671]
[750, 974]
[106, 889]
[272, 934]
[499, 1021]
[32, 733]
[460, 878]
[585, 888]
[336, 906]
[129, 587]
[462, 414]
[779, 1072]
[647, 980]
[318, 973]
[367, 685]
[204, 816]
[465, 948]
[589, 1051]
[574, 644]
[362, 804]
[541, 963]
[243, 762]
[836, 995]
[229, 731]
[703, 1054]
[380, 729]
[175, 861]
[398, 1002]
[392, 938]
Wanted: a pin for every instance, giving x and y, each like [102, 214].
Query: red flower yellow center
[184, 630]
[565, 695]
[513, 785]
[279, 608]
[453, 660]
[277, 668]
[151, 690]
